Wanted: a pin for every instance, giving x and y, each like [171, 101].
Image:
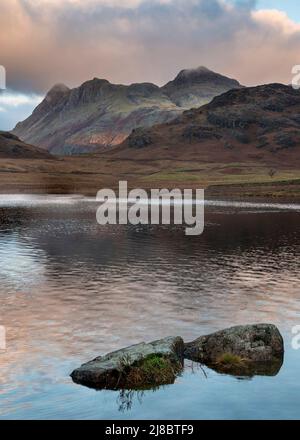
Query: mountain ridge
[99, 114]
[260, 124]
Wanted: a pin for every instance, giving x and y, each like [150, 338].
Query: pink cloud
[70, 41]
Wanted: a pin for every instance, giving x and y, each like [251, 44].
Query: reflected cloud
[71, 290]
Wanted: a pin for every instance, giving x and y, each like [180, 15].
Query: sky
[291, 7]
[44, 42]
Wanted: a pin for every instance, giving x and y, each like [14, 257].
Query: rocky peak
[193, 74]
[56, 92]
[201, 75]
[89, 91]
[195, 87]
[95, 83]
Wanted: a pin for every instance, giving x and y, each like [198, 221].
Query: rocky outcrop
[139, 366]
[242, 349]
[99, 115]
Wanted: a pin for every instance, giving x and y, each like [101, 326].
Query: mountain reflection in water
[71, 290]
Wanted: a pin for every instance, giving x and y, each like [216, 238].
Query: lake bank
[85, 176]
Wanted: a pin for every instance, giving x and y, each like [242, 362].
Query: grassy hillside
[87, 175]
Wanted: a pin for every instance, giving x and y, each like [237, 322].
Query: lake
[71, 290]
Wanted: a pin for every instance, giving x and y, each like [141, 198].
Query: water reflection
[127, 398]
[249, 371]
[72, 290]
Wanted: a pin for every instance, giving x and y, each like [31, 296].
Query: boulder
[241, 350]
[139, 366]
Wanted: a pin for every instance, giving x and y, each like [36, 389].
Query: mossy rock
[140, 366]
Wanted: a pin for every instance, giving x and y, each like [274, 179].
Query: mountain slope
[257, 124]
[196, 87]
[12, 148]
[99, 114]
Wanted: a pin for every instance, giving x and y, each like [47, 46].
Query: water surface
[71, 290]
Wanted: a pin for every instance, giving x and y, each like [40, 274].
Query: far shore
[87, 175]
[262, 193]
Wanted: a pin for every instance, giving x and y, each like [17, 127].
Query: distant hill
[257, 124]
[99, 115]
[12, 147]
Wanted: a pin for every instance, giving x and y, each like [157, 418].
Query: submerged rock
[140, 366]
[241, 350]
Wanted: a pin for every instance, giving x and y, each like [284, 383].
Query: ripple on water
[71, 290]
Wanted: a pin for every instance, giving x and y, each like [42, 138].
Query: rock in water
[241, 350]
[140, 366]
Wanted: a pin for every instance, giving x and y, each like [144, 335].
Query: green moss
[155, 366]
[153, 371]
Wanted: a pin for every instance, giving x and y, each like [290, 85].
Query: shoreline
[81, 175]
[228, 193]
[18, 199]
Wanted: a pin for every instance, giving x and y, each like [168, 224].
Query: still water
[71, 290]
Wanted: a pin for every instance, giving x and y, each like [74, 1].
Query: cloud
[44, 42]
[15, 107]
[276, 20]
[13, 99]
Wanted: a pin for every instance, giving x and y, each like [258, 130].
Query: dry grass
[153, 371]
[86, 175]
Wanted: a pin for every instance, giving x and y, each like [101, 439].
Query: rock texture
[100, 115]
[12, 147]
[259, 343]
[125, 368]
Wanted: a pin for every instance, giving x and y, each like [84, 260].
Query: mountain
[244, 143]
[195, 87]
[12, 148]
[99, 114]
[256, 124]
